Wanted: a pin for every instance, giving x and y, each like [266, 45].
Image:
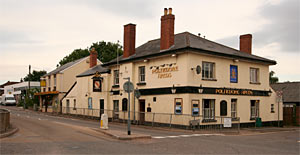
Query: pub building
[180, 74]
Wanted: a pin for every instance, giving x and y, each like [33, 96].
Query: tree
[106, 52]
[273, 79]
[35, 75]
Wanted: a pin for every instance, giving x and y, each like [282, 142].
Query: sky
[42, 32]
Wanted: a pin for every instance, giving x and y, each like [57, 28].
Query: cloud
[282, 27]
[135, 8]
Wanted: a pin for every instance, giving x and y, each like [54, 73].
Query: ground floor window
[254, 109]
[234, 108]
[272, 108]
[74, 108]
[195, 107]
[178, 106]
[208, 107]
[90, 103]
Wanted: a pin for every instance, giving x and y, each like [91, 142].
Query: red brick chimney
[129, 40]
[167, 29]
[246, 43]
[93, 57]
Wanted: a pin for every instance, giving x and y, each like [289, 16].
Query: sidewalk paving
[121, 135]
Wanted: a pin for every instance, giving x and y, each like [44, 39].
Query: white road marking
[183, 136]
[157, 137]
[172, 136]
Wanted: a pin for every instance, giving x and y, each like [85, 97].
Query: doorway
[116, 109]
[101, 107]
[142, 111]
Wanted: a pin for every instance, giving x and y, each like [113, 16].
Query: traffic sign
[128, 87]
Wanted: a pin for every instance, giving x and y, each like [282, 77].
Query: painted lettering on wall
[234, 92]
[165, 72]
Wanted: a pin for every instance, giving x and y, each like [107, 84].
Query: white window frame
[142, 74]
[254, 75]
[209, 113]
[254, 110]
[178, 100]
[233, 108]
[210, 68]
[116, 77]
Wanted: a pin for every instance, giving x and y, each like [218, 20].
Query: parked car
[8, 99]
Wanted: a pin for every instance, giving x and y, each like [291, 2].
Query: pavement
[118, 134]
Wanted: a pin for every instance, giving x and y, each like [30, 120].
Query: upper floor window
[142, 74]
[116, 77]
[54, 79]
[208, 70]
[49, 81]
[233, 74]
[254, 75]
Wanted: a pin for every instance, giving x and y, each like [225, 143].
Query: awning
[47, 93]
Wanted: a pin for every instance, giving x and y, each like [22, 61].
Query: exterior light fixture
[111, 92]
[200, 89]
[235, 60]
[145, 60]
[173, 90]
[173, 55]
[269, 92]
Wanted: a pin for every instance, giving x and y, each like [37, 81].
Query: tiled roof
[57, 70]
[93, 70]
[291, 91]
[187, 40]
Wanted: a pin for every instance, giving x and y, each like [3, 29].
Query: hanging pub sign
[233, 74]
[97, 82]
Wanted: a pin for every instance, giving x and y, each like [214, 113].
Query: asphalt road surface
[43, 134]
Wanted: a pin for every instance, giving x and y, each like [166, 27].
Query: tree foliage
[35, 75]
[106, 52]
[273, 79]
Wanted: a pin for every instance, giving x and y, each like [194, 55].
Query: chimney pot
[165, 11]
[246, 43]
[170, 11]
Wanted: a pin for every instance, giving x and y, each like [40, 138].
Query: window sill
[208, 120]
[116, 86]
[252, 119]
[205, 79]
[272, 111]
[141, 83]
[257, 83]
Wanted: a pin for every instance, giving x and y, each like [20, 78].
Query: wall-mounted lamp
[236, 60]
[146, 60]
[200, 89]
[173, 90]
[111, 92]
[269, 92]
[173, 55]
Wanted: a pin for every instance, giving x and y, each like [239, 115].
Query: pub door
[142, 111]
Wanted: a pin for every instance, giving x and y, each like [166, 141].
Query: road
[43, 134]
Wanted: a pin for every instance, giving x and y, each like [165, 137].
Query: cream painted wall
[183, 77]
